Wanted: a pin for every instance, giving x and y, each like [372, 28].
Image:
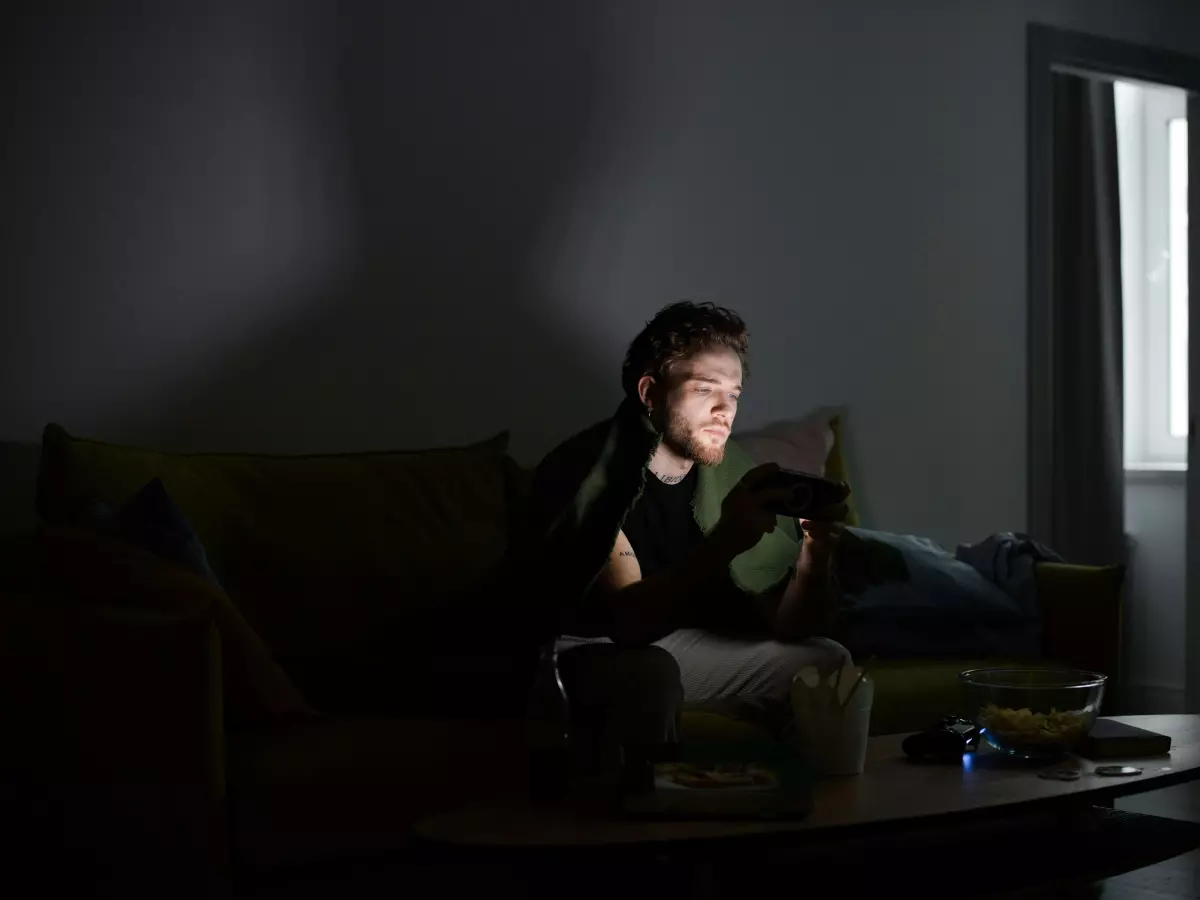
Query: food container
[1033, 713]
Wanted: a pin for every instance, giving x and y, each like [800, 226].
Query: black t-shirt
[661, 526]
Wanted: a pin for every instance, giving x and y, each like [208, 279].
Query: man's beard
[681, 438]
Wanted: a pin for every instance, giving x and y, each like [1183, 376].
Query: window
[1177, 247]
[1152, 163]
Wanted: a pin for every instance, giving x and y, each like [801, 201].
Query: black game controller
[945, 742]
[811, 495]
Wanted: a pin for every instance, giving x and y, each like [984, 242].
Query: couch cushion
[473, 652]
[1082, 615]
[312, 549]
[703, 727]
[838, 469]
[911, 694]
[354, 787]
[91, 570]
[112, 758]
[257, 687]
[152, 521]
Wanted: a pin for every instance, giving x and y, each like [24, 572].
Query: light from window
[1177, 139]
[1152, 149]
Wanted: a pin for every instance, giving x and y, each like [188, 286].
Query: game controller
[811, 496]
[946, 741]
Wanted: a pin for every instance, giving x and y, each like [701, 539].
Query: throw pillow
[153, 522]
[836, 468]
[256, 688]
[813, 443]
[800, 444]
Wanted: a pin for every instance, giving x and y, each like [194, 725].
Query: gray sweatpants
[638, 692]
[716, 667]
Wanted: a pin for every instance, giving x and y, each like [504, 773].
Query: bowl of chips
[1033, 713]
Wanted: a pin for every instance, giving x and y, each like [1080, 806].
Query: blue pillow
[152, 521]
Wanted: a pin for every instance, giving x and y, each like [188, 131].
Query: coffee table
[989, 826]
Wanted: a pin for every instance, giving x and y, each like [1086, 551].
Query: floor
[1170, 880]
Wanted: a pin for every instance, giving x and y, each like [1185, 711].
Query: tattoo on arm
[625, 553]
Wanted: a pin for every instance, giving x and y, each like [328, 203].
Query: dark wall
[292, 224]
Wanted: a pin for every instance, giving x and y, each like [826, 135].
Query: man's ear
[646, 391]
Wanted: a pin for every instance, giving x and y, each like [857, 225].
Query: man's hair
[677, 333]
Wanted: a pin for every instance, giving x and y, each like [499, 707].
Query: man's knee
[651, 669]
[622, 695]
[612, 673]
[824, 654]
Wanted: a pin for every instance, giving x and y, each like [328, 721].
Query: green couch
[370, 579]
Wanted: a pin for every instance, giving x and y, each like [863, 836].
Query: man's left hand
[820, 538]
[813, 593]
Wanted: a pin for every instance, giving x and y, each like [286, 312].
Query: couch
[356, 667]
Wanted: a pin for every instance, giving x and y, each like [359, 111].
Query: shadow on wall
[462, 130]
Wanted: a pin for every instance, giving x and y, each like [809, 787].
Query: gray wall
[296, 226]
[1155, 598]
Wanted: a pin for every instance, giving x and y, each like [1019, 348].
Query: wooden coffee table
[989, 826]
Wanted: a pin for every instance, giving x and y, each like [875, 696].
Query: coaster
[1060, 773]
[1117, 771]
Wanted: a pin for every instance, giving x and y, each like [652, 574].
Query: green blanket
[584, 489]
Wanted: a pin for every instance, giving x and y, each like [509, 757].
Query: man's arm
[636, 610]
[632, 609]
[808, 605]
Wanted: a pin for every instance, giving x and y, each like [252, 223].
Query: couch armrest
[1082, 612]
[112, 765]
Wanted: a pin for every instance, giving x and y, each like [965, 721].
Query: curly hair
[678, 332]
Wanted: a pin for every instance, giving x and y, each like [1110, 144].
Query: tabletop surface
[891, 789]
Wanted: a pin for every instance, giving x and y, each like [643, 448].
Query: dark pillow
[152, 521]
[256, 688]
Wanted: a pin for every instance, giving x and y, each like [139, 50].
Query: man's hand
[809, 603]
[819, 536]
[744, 514]
[820, 539]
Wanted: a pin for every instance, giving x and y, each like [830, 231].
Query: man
[680, 587]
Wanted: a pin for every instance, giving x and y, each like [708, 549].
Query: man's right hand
[744, 514]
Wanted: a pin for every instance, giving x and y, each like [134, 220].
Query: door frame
[1050, 51]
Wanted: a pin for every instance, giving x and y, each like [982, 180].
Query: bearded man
[677, 586]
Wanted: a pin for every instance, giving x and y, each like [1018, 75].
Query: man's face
[701, 399]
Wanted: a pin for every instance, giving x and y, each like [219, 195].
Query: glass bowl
[1033, 713]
